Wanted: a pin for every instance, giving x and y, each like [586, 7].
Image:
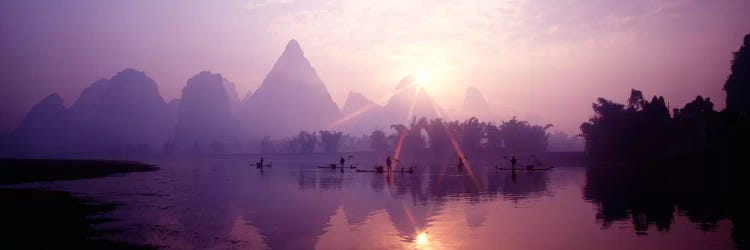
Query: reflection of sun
[422, 239]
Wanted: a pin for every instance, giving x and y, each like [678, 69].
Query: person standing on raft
[388, 163]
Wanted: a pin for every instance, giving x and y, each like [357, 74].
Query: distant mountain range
[125, 114]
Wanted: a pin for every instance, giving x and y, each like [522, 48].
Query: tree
[306, 141]
[604, 131]
[519, 136]
[330, 140]
[643, 130]
[472, 134]
[438, 136]
[737, 85]
[378, 141]
[494, 139]
[636, 101]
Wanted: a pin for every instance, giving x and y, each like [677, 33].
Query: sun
[421, 78]
[422, 239]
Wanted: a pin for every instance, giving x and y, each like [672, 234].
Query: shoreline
[50, 219]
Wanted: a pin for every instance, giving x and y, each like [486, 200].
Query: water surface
[222, 203]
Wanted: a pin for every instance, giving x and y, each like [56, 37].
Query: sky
[543, 61]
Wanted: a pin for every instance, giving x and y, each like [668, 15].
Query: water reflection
[652, 195]
[649, 197]
[436, 184]
[221, 203]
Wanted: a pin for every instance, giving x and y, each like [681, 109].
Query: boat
[331, 166]
[525, 169]
[368, 171]
[378, 169]
[411, 171]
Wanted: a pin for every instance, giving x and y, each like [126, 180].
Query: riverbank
[46, 219]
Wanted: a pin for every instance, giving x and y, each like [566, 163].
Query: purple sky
[545, 61]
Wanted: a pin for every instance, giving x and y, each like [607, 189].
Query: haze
[544, 61]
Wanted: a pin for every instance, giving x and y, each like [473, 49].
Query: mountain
[409, 100]
[234, 99]
[204, 115]
[42, 132]
[291, 98]
[125, 110]
[475, 105]
[247, 97]
[173, 107]
[360, 115]
[356, 102]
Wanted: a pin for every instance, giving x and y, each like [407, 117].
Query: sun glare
[421, 78]
[422, 239]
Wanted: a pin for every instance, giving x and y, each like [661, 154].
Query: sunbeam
[351, 115]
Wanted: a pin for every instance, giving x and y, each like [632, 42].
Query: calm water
[222, 203]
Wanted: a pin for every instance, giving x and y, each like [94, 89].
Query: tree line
[644, 130]
[423, 137]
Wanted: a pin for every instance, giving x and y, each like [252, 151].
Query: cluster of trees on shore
[423, 136]
[646, 129]
[643, 129]
[651, 162]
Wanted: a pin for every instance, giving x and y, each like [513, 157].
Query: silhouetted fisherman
[388, 163]
[260, 163]
[342, 161]
[460, 162]
[513, 163]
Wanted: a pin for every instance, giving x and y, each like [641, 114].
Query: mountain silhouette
[43, 131]
[173, 107]
[123, 110]
[356, 102]
[234, 99]
[205, 111]
[410, 100]
[360, 115]
[291, 98]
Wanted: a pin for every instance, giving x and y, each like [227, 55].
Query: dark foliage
[693, 161]
[330, 140]
[645, 129]
[737, 85]
[437, 137]
[304, 142]
[378, 141]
